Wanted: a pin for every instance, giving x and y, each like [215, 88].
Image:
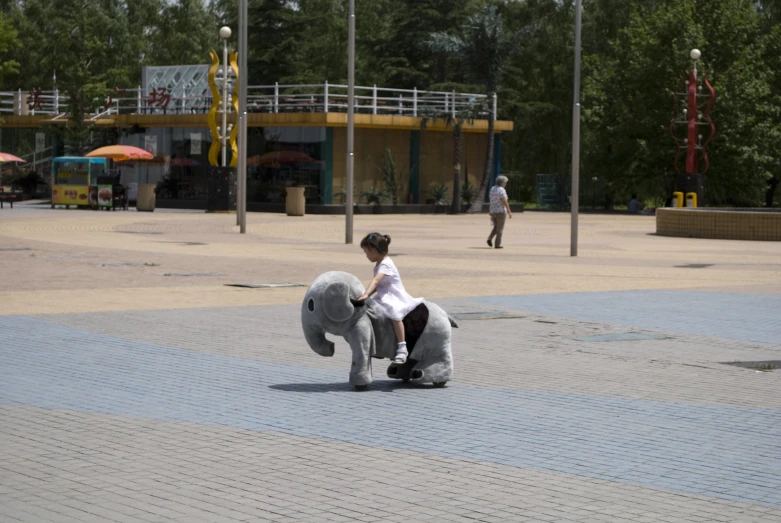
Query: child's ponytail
[378, 242]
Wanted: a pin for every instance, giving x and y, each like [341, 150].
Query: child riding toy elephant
[330, 306]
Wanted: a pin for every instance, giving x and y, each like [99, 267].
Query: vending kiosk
[74, 182]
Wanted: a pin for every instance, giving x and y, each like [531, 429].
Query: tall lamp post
[225, 33]
[241, 202]
[575, 194]
[348, 212]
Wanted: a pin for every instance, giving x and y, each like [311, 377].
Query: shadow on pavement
[377, 386]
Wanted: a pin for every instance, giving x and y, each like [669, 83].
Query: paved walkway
[135, 386]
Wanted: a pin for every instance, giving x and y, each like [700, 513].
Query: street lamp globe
[225, 32]
[695, 54]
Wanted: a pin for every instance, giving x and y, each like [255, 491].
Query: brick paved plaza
[136, 386]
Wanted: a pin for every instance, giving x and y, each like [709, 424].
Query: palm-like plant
[464, 115]
[439, 194]
[482, 47]
[375, 196]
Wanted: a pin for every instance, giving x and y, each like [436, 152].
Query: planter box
[146, 197]
[295, 203]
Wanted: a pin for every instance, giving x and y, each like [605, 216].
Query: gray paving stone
[160, 416]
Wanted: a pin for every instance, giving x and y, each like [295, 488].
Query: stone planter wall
[721, 224]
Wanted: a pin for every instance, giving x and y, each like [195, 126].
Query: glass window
[279, 157]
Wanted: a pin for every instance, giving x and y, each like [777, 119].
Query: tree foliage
[634, 54]
[9, 42]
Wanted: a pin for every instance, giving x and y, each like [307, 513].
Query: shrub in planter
[468, 193]
[375, 196]
[341, 196]
[439, 193]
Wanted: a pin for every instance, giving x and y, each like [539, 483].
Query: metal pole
[574, 198]
[224, 137]
[350, 124]
[241, 203]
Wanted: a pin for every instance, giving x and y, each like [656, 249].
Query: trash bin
[295, 203]
[146, 197]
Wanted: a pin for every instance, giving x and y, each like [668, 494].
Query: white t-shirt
[392, 298]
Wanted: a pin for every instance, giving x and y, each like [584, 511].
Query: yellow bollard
[691, 199]
[677, 199]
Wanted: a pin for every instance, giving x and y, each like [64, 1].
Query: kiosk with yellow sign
[74, 180]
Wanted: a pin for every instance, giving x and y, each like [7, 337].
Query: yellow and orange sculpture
[216, 147]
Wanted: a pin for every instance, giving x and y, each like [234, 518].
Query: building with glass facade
[296, 136]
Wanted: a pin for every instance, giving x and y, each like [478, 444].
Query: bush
[341, 196]
[468, 193]
[440, 193]
[26, 181]
[375, 196]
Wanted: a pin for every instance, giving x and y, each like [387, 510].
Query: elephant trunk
[315, 337]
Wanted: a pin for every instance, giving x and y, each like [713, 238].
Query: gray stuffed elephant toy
[330, 307]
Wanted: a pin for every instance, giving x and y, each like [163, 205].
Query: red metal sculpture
[695, 116]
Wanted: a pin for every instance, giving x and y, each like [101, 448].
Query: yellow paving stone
[75, 257]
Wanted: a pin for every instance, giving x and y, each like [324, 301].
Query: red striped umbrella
[5, 157]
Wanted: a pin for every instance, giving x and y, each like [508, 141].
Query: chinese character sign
[34, 100]
[159, 97]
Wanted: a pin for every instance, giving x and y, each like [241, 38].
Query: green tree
[400, 52]
[185, 33]
[482, 48]
[9, 42]
[88, 45]
[628, 99]
[537, 93]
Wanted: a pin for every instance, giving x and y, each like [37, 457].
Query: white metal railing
[41, 157]
[261, 99]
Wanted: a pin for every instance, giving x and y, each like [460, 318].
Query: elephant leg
[361, 340]
[435, 371]
[361, 370]
[401, 372]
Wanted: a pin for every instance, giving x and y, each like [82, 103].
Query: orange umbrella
[5, 157]
[120, 153]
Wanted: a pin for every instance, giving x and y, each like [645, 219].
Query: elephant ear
[336, 302]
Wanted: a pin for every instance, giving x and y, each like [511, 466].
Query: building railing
[277, 98]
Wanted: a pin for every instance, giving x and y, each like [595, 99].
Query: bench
[7, 197]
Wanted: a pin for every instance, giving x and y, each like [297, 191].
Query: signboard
[40, 142]
[70, 195]
[195, 144]
[73, 176]
[150, 144]
[105, 195]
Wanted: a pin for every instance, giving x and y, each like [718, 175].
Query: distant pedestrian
[635, 207]
[499, 210]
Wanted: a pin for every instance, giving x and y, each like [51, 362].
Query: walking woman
[499, 210]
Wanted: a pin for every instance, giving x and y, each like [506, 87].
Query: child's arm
[372, 288]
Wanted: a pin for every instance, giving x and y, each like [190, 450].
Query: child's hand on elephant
[360, 302]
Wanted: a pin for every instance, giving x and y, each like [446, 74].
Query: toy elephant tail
[452, 321]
